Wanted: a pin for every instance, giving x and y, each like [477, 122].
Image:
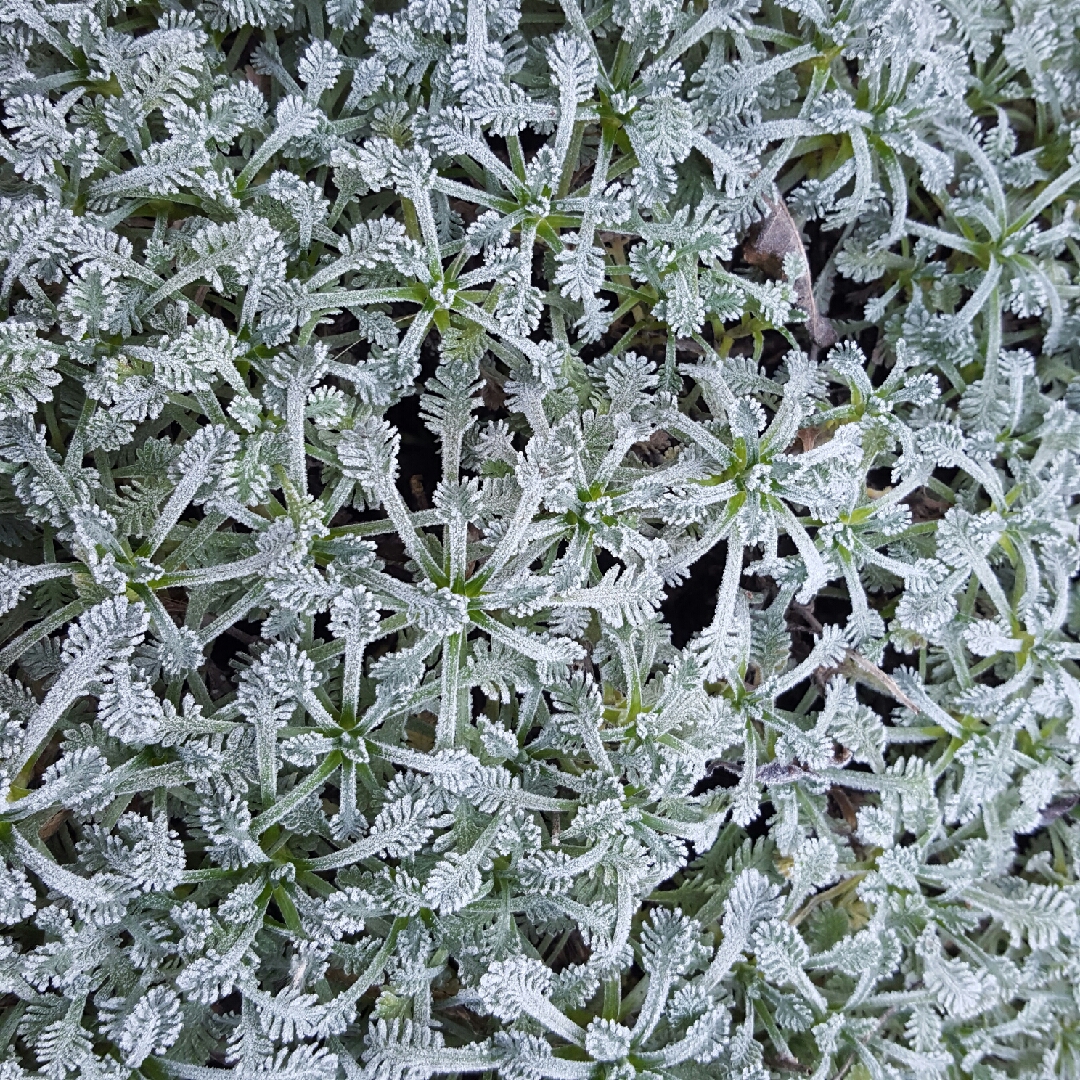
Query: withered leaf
[866, 671]
[857, 666]
[416, 490]
[767, 245]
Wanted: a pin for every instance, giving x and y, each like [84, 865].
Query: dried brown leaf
[419, 495]
[767, 245]
[856, 666]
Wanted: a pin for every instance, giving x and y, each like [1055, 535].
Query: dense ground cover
[538, 541]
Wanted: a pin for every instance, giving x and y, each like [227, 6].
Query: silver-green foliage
[305, 779]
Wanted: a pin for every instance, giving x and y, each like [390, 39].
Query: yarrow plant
[316, 764]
